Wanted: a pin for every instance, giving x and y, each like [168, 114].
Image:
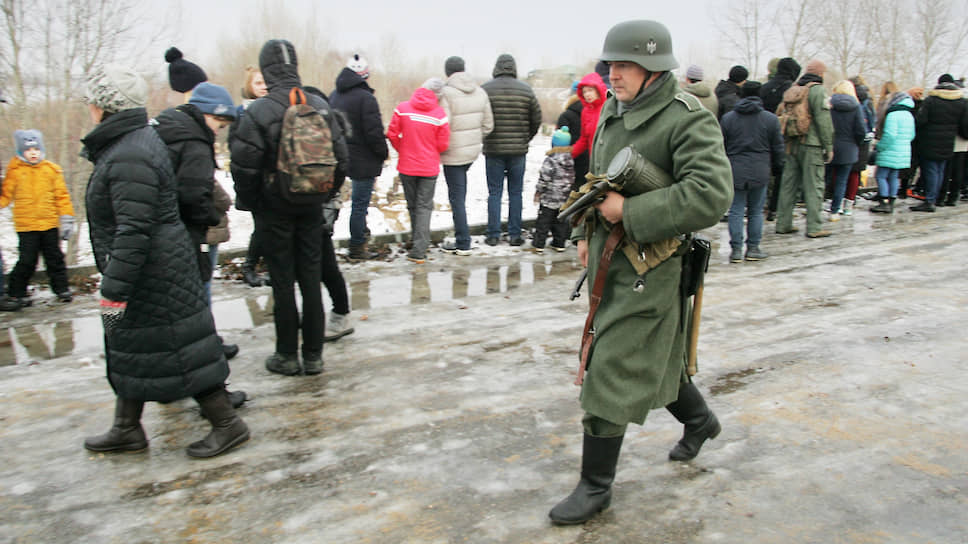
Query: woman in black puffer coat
[159, 333]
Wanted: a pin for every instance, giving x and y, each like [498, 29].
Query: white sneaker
[463, 252]
[337, 326]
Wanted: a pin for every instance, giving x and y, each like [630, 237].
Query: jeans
[361, 194]
[456, 177]
[933, 173]
[748, 202]
[841, 172]
[213, 261]
[420, 203]
[496, 167]
[887, 182]
[293, 251]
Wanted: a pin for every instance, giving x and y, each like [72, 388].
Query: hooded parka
[590, 112]
[255, 143]
[849, 128]
[517, 114]
[753, 142]
[942, 116]
[39, 195]
[165, 347]
[897, 133]
[367, 147]
[469, 113]
[638, 356]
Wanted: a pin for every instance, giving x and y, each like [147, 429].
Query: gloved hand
[112, 313]
[66, 226]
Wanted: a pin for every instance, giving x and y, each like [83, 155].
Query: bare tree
[746, 32]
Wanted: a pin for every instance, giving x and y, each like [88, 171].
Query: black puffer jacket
[942, 116]
[517, 115]
[190, 148]
[165, 347]
[753, 143]
[787, 71]
[255, 143]
[367, 144]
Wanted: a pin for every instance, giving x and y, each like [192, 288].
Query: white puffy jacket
[469, 112]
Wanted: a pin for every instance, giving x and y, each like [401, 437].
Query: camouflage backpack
[306, 165]
[794, 112]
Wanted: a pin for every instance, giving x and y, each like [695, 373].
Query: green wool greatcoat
[639, 352]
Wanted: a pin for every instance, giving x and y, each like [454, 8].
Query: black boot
[594, 491]
[884, 205]
[228, 429]
[126, 434]
[701, 423]
[923, 207]
[361, 253]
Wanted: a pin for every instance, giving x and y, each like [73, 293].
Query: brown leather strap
[616, 235]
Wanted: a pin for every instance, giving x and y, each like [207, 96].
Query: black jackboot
[885, 205]
[594, 491]
[126, 434]
[228, 429]
[701, 423]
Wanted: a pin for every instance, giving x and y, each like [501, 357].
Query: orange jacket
[38, 193]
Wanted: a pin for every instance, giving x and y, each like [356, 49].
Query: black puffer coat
[517, 115]
[190, 147]
[753, 143]
[165, 347]
[942, 116]
[255, 143]
[367, 144]
[787, 71]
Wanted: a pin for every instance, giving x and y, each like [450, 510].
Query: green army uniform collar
[664, 93]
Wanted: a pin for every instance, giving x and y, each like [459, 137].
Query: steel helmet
[646, 43]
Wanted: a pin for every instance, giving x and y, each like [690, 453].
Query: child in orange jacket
[42, 216]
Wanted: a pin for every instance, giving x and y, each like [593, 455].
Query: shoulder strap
[296, 96]
[587, 335]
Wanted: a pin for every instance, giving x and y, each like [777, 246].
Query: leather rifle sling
[616, 235]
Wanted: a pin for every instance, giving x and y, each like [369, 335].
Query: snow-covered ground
[388, 215]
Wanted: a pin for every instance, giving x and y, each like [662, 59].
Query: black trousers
[32, 245]
[291, 247]
[546, 222]
[333, 279]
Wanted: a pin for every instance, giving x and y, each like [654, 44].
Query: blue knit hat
[561, 138]
[212, 99]
[25, 139]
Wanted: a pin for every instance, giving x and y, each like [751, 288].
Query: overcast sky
[537, 34]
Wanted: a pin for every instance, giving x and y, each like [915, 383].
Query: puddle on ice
[83, 335]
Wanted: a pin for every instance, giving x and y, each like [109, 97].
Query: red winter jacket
[589, 112]
[419, 131]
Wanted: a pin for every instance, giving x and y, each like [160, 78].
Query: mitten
[66, 226]
[111, 314]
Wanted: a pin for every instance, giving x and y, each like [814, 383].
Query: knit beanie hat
[114, 88]
[213, 99]
[815, 67]
[946, 78]
[25, 139]
[183, 75]
[453, 65]
[359, 65]
[695, 73]
[561, 137]
[750, 88]
[435, 84]
[738, 74]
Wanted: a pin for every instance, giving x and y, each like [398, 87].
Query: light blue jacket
[894, 145]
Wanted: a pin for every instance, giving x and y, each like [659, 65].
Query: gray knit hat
[694, 73]
[114, 88]
[435, 84]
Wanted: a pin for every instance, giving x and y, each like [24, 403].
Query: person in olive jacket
[517, 118]
[159, 333]
[637, 356]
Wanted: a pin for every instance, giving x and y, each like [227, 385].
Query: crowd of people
[156, 214]
[915, 141]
